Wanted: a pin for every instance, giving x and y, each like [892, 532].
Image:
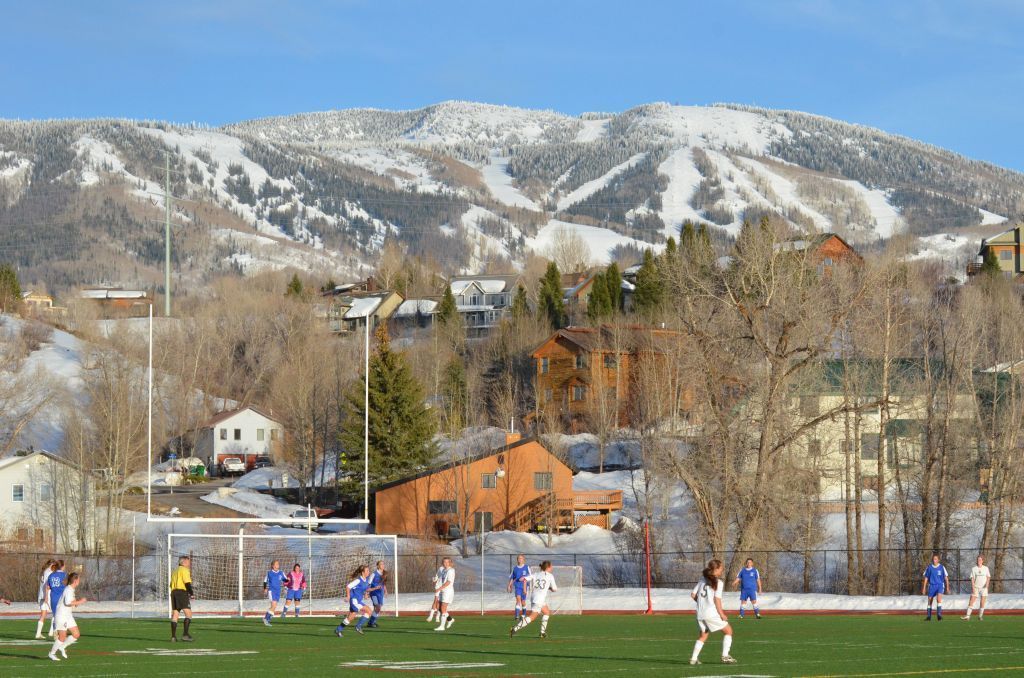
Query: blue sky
[949, 73]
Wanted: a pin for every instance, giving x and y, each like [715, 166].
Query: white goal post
[568, 599]
[228, 569]
[494, 581]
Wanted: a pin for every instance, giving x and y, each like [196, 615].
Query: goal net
[568, 599]
[228, 570]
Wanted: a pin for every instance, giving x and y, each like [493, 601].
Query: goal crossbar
[228, 569]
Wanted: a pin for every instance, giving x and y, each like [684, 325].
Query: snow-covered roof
[363, 307]
[460, 286]
[413, 307]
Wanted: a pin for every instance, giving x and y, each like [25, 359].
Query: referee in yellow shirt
[181, 597]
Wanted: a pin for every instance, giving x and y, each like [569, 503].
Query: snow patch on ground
[600, 240]
[683, 179]
[592, 130]
[888, 221]
[252, 503]
[990, 218]
[499, 182]
[265, 478]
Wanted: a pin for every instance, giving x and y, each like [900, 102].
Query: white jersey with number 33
[540, 584]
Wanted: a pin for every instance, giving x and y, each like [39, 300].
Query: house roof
[813, 242]
[227, 414]
[105, 293]
[468, 460]
[488, 284]
[626, 339]
[413, 307]
[8, 462]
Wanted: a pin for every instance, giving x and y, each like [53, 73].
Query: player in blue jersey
[748, 581]
[519, 580]
[378, 587]
[935, 582]
[55, 589]
[355, 592]
[272, 585]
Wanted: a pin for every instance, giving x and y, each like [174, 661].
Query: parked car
[302, 518]
[232, 466]
[262, 462]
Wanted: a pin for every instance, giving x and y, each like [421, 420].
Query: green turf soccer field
[611, 645]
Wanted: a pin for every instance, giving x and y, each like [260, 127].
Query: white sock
[57, 643]
[69, 642]
[696, 649]
[430, 615]
[544, 624]
[726, 645]
[39, 628]
[981, 612]
[969, 611]
[442, 618]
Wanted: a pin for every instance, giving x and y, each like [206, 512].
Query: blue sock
[757, 610]
[268, 616]
[929, 610]
[741, 611]
[339, 628]
[362, 620]
[519, 612]
[939, 609]
[373, 618]
[296, 610]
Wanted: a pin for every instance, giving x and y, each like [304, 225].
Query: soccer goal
[568, 599]
[228, 569]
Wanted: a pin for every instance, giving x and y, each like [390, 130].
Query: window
[610, 362]
[18, 493]
[273, 434]
[1006, 255]
[808, 406]
[579, 393]
[223, 434]
[488, 481]
[22, 534]
[543, 365]
[238, 434]
[581, 361]
[869, 446]
[260, 433]
[45, 492]
[542, 481]
[483, 521]
[40, 536]
[442, 507]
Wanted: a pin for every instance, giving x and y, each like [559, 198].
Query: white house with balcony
[246, 433]
[46, 502]
[483, 301]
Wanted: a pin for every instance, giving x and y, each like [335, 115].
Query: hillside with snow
[467, 184]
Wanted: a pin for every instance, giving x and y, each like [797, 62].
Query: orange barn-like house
[520, 486]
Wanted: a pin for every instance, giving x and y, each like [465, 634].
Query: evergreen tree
[650, 290]
[10, 289]
[599, 305]
[455, 394]
[687, 236]
[329, 285]
[989, 265]
[402, 427]
[520, 305]
[447, 310]
[613, 281]
[294, 287]
[549, 298]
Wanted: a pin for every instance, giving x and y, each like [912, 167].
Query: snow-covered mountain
[466, 184]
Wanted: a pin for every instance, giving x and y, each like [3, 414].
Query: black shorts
[180, 601]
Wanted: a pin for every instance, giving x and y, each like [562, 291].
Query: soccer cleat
[53, 657]
[939, 618]
[174, 639]
[451, 620]
[39, 636]
[266, 622]
[694, 662]
[966, 618]
[186, 638]
[338, 633]
[726, 659]
[512, 632]
[371, 625]
[757, 615]
[63, 653]
[543, 635]
[359, 630]
[439, 628]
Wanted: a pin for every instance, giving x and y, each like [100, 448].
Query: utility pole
[167, 235]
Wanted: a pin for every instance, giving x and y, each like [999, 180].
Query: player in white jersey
[980, 578]
[44, 604]
[64, 620]
[445, 594]
[710, 615]
[435, 607]
[541, 584]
